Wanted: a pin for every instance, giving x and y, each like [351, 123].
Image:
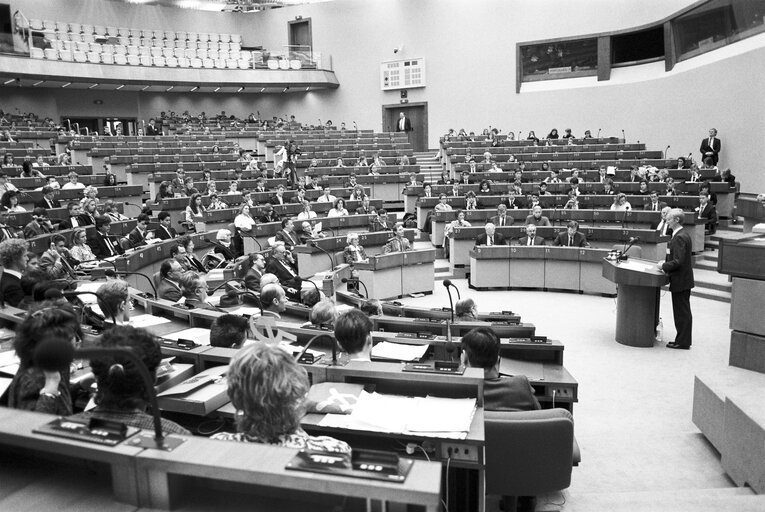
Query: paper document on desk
[639, 266]
[398, 351]
[4, 384]
[143, 321]
[88, 287]
[198, 335]
[436, 414]
[246, 311]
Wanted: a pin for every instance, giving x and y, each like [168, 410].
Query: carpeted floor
[640, 449]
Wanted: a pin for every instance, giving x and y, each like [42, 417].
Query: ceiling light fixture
[9, 81]
[38, 83]
[169, 88]
[93, 86]
[240, 89]
[66, 85]
[120, 87]
[217, 89]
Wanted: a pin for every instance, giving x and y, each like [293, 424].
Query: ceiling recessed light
[286, 89]
[194, 88]
[38, 83]
[145, 87]
[217, 89]
[263, 89]
[240, 89]
[93, 86]
[120, 86]
[9, 81]
[66, 84]
[169, 88]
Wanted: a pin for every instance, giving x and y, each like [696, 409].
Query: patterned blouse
[299, 440]
[25, 390]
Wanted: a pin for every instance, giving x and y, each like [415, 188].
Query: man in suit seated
[138, 236]
[101, 242]
[48, 201]
[280, 265]
[39, 225]
[194, 288]
[653, 204]
[662, 226]
[13, 258]
[531, 237]
[54, 260]
[6, 232]
[270, 215]
[279, 198]
[502, 218]
[536, 218]
[165, 231]
[571, 237]
[707, 211]
[287, 234]
[228, 331]
[169, 287]
[379, 221]
[365, 208]
[74, 212]
[490, 236]
[274, 300]
[255, 272]
[353, 332]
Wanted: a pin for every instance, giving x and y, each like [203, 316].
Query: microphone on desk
[624, 136]
[55, 294]
[356, 280]
[310, 342]
[665, 151]
[226, 251]
[235, 288]
[451, 303]
[112, 273]
[598, 133]
[313, 243]
[55, 355]
[140, 208]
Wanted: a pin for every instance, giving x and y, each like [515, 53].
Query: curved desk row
[559, 268]
[41, 243]
[119, 194]
[653, 245]
[397, 274]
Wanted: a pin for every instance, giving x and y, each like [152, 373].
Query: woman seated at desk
[268, 388]
[195, 211]
[620, 203]
[323, 314]
[244, 221]
[339, 209]
[10, 202]
[121, 395]
[216, 203]
[399, 243]
[192, 262]
[307, 213]
[353, 252]
[80, 250]
[459, 222]
[466, 310]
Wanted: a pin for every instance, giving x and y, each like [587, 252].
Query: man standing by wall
[679, 268]
[710, 147]
[404, 125]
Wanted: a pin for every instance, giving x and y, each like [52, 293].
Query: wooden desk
[752, 210]
[397, 274]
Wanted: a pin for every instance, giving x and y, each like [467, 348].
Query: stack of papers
[422, 416]
[198, 335]
[144, 321]
[398, 351]
[9, 363]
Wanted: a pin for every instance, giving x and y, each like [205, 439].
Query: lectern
[637, 300]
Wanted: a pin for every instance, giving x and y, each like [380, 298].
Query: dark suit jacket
[169, 291]
[42, 203]
[290, 239]
[362, 211]
[86, 220]
[508, 220]
[194, 263]
[648, 206]
[67, 223]
[32, 230]
[407, 125]
[136, 238]
[579, 240]
[162, 233]
[499, 239]
[538, 240]
[252, 280]
[153, 130]
[679, 263]
[543, 221]
[10, 290]
[715, 148]
[100, 247]
[710, 213]
[377, 225]
[275, 200]
[286, 278]
[508, 393]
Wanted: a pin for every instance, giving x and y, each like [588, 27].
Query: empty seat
[159, 61]
[99, 30]
[88, 38]
[234, 47]
[122, 31]
[212, 45]
[201, 45]
[107, 48]
[87, 29]
[272, 64]
[192, 36]
[67, 55]
[284, 64]
[168, 43]
[184, 62]
[74, 37]
[180, 43]
[234, 55]
[155, 51]
[203, 36]
[196, 63]
[220, 63]
[124, 40]
[231, 64]
[244, 64]
[236, 38]
[208, 63]
[132, 50]
[57, 45]
[245, 55]
[144, 51]
[146, 60]
[49, 25]
[224, 54]
[51, 54]
[112, 31]
[171, 62]
[96, 47]
[190, 54]
[81, 47]
[167, 52]
[295, 64]
[36, 24]
[120, 58]
[191, 44]
[224, 46]
[76, 28]
[133, 60]
[181, 35]
[158, 34]
[202, 54]
[80, 56]
[169, 34]
[179, 52]
[36, 53]
[107, 58]
[225, 38]
[134, 32]
[94, 58]
[120, 50]
[212, 54]
[214, 37]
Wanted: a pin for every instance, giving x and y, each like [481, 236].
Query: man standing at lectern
[679, 268]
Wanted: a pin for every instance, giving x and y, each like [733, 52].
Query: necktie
[529, 241]
[491, 240]
[7, 234]
[502, 221]
[109, 245]
[710, 142]
[570, 241]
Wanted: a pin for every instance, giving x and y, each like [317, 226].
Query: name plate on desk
[369, 464]
[417, 335]
[435, 367]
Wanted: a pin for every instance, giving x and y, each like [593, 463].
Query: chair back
[528, 452]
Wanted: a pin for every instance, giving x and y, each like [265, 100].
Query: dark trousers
[681, 309]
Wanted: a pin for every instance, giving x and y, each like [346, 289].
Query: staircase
[430, 166]
[709, 283]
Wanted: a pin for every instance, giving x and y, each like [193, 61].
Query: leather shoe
[676, 346]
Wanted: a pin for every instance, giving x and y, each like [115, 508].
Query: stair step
[706, 265]
[707, 293]
[740, 499]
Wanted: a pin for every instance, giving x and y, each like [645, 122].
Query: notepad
[143, 321]
[198, 335]
[398, 351]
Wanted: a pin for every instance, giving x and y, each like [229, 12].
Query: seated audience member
[571, 237]
[195, 211]
[216, 203]
[339, 209]
[194, 287]
[466, 310]
[110, 210]
[228, 331]
[88, 207]
[273, 299]
[459, 222]
[309, 297]
[54, 260]
[287, 235]
[490, 236]
[223, 248]
[190, 260]
[10, 202]
[7, 232]
[281, 266]
[48, 200]
[27, 171]
[326, 196]
[299, 197]
[256, 267]
[353, 331]
[140, 233]
[608, 187]
[471, 202]
[178, 253]
[706, 187]
[13, 258]
[169, 287]
[306, 233]
[502, 218]
[307, 213]
[39, 225]
[531, 237]
[165, 230]
[573, 201]
[620, 203]
[244, 221]
[101, 242]
[442, 205]
[399, 242]
[480, 349]
[278, 198]
[121, 395]
[643, 188]
[371, 307]
[365, 208]
[43, 389]
[323, 314]
[32, 282]
[5, 185]
[379, 221]
[728, 178]
[653, 204]
[536, 218]
[268, 387]
[706, 210]
[662, 226]
[73, 183]
[270, 215]
[113, 301]
[354, 252]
